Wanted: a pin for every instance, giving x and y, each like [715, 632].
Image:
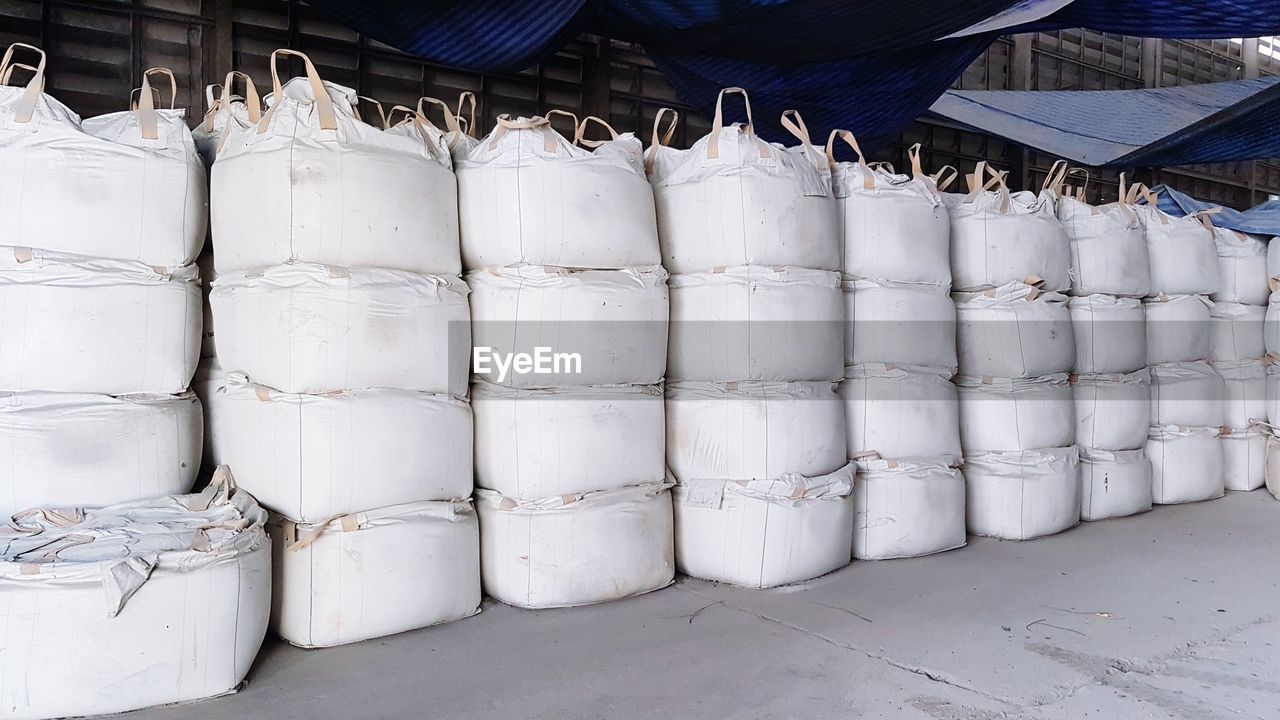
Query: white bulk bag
[1273, 465]
[528, 195]
[1188, 394]
[1242, 267]
[79, 450]
[998, 237]
[734, 199]
[756, 323]
[310, 457]
[1023, 494]
[152, 602]
[1108, 248]
[1271, 325]
[901, 412]
[1112, 412]
[907, 508]
[899, 323]
[1184, 257]
[1238, 332]
[374, 573]
[311, 182]
[225, 110]
[77, 324]
[1014, 331]
[753, 431]
[306, 328]
[1179, 328]
[534, 443]
[614, 321]
[764, 533]
[1186, 464]
[1244, 399]
[1114, 483]
[893, 227]
[1244, 459]
[576, 549]
[1110, 333]
[128, 185]
[208, 379]
[1015, 414]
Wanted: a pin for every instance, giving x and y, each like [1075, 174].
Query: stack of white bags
[1111, 385]
[1187, 410]
[755, 431]
[1010, 263]
[344, 331]
[101, 332]
[569, 306]
[900, 356]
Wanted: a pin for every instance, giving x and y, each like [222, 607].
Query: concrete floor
[1173, 614]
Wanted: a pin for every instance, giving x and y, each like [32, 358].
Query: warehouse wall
[98, 49]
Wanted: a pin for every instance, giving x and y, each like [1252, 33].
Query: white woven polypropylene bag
[998, 237]
[77, 324]
[1014, 331]
[756, 323]
[128, 185]
[311, 182]
[1244, 397]
[1238, 332]
[1244, 459]
[535, 443]
[1188, 394]
[764, 533]
[152, 602]
[900, 412]
[734, 199]
[76, 449]
[528, 195]
[1184, 258]
[1023, 494]
[305, 328]
[1186, 464]
[1242, 268]
[620, 541]
[1110, 333]
[1179, 328]
[1015, 414]
[1113, 412]
[1114, 483]
[614, 321]
[753, 431]
[374, 573]
[907, 508]
[1108, 249]
[899, 323]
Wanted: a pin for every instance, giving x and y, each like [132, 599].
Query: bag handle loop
[656, 140]
[252, 103]
[938, 177]
[1056, 176]
[450, 119]
[324, 104]
[537, 122]
[579, 134]
[26, 106]
[147, 119]
[800, 131]
[713, 142]
[382, 115]
[868, 175]
[467, 97]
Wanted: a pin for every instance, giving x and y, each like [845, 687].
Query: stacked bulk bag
[343, 335]
[144, 603]
[1239, 313]
[569, 313]
[1186, 457]
[900, 406]
[101, 325]
[755, 436]
[1110, 387]
[1015, 344]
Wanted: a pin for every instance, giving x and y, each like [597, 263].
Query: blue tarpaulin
[1214, 122]
[871, 66]
[1261, 219]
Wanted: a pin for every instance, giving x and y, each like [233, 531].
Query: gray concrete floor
[1173, 614]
